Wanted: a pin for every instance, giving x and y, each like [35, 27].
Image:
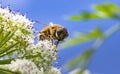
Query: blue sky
[106, 60]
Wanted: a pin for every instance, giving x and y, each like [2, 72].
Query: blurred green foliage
[84, 37]
[102, 11]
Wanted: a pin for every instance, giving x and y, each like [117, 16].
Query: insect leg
[56, 43]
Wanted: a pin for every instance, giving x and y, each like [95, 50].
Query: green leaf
[84, 15]
[76, 17]
[81, 59]
[107, 10]
[97, 33]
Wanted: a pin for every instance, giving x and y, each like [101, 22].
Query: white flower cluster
[54, 70]
[28, 67]
[18, 32]
[16, 28]
[24, 67]
[46, 51]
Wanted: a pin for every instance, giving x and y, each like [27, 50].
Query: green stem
[8, 48]
[107, 34]
[5, 61]
[7, 38]
[5, 71]
[97, 44]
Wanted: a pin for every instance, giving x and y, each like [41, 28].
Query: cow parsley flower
[17, 41]
[54, 70]
[24, 67]
[45, 53]
[16, 29]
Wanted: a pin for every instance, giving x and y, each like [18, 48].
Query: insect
[53, 32]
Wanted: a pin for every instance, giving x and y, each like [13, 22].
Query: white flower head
[24, 67]
[54, 70]
[20, 31]
[46, 51]
[17, 27]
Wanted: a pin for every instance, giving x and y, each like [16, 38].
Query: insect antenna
[40, 22]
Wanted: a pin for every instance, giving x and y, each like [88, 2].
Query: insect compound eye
[62, 33]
